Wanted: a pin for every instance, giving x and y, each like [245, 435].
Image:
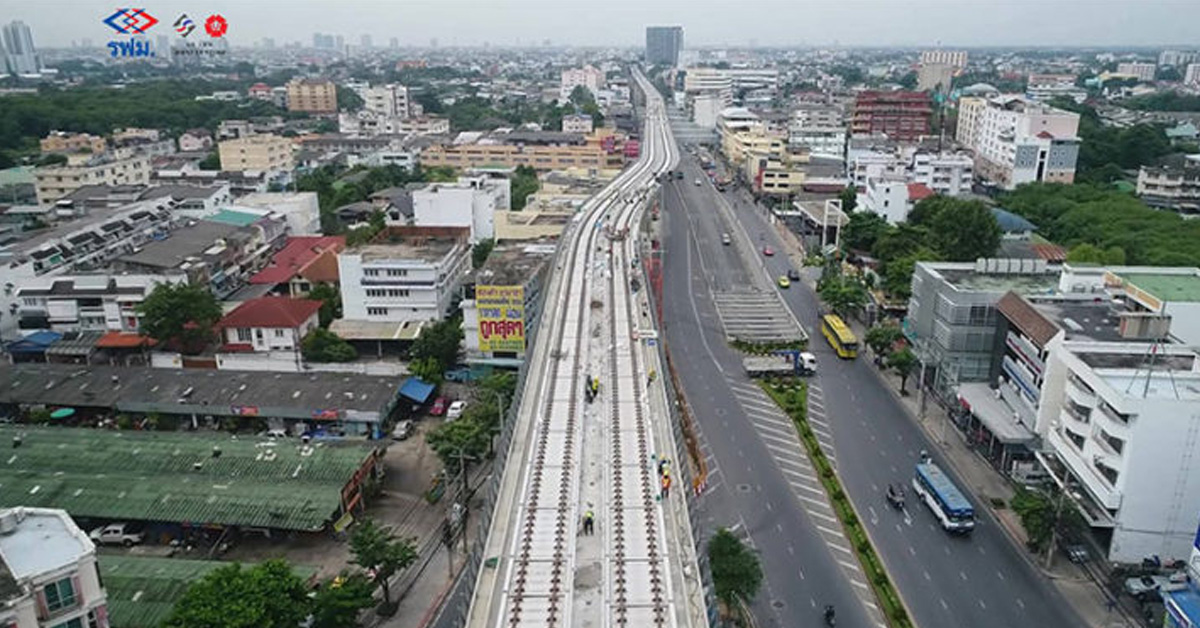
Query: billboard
[501, 318]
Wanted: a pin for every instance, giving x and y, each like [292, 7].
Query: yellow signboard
[501, 318]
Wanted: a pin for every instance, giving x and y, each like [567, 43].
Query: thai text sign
[501, 318]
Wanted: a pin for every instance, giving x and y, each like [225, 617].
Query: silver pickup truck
[1148, 587]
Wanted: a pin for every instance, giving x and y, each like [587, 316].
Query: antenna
[1152, 357]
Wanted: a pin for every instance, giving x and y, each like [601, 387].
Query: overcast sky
[622, 22]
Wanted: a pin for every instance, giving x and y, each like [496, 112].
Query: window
[371, 272]
[60, 595]
[74, 623]
[377, 311]
[279, 333]
[243, 334]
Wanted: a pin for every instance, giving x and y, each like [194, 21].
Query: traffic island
[791, 396]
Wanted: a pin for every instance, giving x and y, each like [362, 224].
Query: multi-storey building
[1174, 186]
[406, 274]
[502, 309]
[389, 100]
[85, 302]
[1178, 58]
[955, 58]
[1192, 76]
[194, 140]
[312, 95]
[542, 150]
[55, 182]
[577, 123]
[63, 142]
[20, 55]
[935, 77]
[470, 202]
[950, 174]
[587, 77]
[1143, 71]
[1017, 141]
[264, 153]
[663, 44]
[900, 115]
[48, 572]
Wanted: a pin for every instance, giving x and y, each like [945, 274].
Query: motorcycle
[829, 616]
[895, 496]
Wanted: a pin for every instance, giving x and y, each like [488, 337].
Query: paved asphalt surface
[947, 582]
[747, 489]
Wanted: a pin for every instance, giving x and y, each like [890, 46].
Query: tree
[909, 80]
[849, 198]
[736, 571]
[843, 295]
[322, 345]
[1086, 253]
[581, 96]
[268, 595]
[965, 231]
[440, 341]
[428, 369]
[864, 230]
[903, 362]
[897, 273]
[180, 315]
[1043, 513]
[338, 603]
[481, 251]
[881, 337]
[348, 101]
[211, 162]
[53, 159]
[331, 302]
[524, 183]
[378, 550]
[326, 126]
[465, 436]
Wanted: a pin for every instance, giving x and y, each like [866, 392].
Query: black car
[793, 274]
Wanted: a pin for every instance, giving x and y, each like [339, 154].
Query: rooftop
[429, 244]
[190, 241]
[1167, 286]
[964, 276]
[1097, 321]
[281, 484]
[181, 192]
[44, 540]
[275, 312]
[513, 265]
[236, 218]
[300, 254]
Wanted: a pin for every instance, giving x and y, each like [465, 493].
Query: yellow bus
[843, 341]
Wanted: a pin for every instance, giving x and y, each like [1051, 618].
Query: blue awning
[416, 389]
[36, 342]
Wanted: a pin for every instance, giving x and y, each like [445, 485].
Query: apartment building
[577, 123]
[85, 302]
[271, 323]
[820, 129]
[900, 115]
[954, 58]
[949, 174]
[543, 150]
[587, 77]
[502, 309]
[48, 571]
[406, 274]
[1178, 58]
[195, 140]
[312, 95]
[887, 196]
[1045, 87]
[63, 142]
[936, 77]
[1174, 186]
[55, 182]
[663, 44]
[471, 202]
[1143, 71]
[1017, 141]
[391, 100]
[1192, 76]
[265, 153]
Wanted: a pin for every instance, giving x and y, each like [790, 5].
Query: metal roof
[153, 476]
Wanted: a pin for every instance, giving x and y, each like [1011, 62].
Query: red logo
[216, 25]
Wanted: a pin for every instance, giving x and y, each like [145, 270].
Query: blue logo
[131, 21]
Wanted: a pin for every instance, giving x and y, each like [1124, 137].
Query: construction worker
[666, 487]
[589, 519]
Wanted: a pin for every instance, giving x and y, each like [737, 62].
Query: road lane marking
[805, 487]
[830, 531]
[945, 606]
[840, 548]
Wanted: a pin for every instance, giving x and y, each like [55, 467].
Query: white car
[124, 533]
[455, 410]
[403, 430]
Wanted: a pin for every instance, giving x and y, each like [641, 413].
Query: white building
[299, 208]
[577, 123]
[706, 107]
[55, 182]
[389, 100]
[412, 277]
[85, 302]
[471, 202]
[1143, 71]
[877, 165]
[1178, 58]
[195, 140]
[587, 76]
[269, 324]
[950, 174]
[1192, 76]
[887, 196]
[1017, 141]
[935, 76]
[49, 569]
[955, 58]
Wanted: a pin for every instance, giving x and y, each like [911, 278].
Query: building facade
[265, 153]
[663, 44]
[954, 58]
[269, 324]
[1143, 71]
[389, 100]
[409, 274]
[471, 202]
[949, 174]
[20, 55]
[55, 182]
[1174, 187]
[49, 572]
[577, 123]
[900, 115]
[587, 77]
[1017, 141]
[62, 142]
[312, 96]
[85, 302]
[503, 308]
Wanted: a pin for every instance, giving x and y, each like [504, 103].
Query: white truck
[780, 365]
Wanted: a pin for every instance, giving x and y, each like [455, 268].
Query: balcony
[1114, 416]
[1079, 392]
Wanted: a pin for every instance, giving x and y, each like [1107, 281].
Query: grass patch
[767, 348]
[792, 397]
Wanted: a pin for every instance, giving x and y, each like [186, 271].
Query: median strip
[792, 396]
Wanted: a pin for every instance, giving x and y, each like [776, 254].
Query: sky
[708, 23]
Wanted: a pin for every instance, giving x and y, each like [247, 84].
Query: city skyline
[855, 23]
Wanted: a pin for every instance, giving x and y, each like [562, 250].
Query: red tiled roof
[323, 269]
[918, 191]
[123, 340]
[295, 256]
[270, 312]
[1027, 319]
[1050, 252]
[237, 347]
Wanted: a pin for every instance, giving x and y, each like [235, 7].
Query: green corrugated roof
[1167, 286]
[142, 590]
[236, 218]
[20, 175]
[150, 476]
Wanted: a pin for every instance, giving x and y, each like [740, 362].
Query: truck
[802, 363]
[1149, 587]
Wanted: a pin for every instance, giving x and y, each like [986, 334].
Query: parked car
[456, 410]
[1148, 587]
[768, 251]
[123, 533]
[793, 274]
[439, 407]
[403, 430]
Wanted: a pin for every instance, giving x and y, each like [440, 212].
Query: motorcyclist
[829, 614]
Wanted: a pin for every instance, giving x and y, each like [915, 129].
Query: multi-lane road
[980, 581]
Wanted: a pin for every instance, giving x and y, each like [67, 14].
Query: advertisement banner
[501, 318]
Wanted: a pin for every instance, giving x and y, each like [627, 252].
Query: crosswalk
[779, 436]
